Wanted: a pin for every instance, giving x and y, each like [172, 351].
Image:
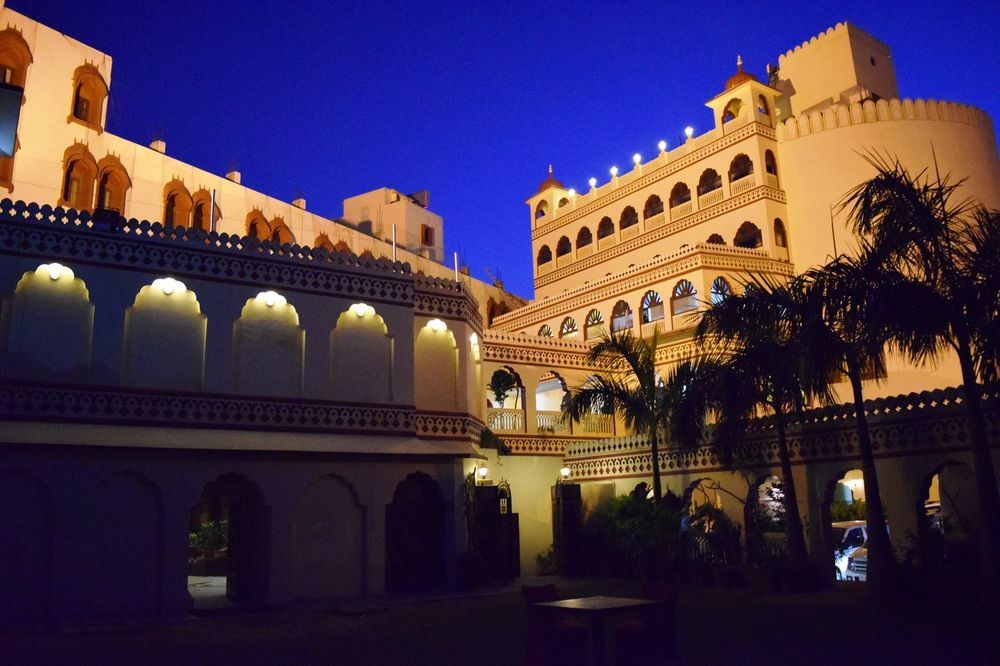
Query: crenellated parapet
[845, 115]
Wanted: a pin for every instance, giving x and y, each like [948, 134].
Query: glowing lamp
[637, 158]
[614, 171]
[361, 310]
[168, 286]
[662, 145]
[271, 298]
[437, 325]
[55, 271]
[564, 473]
[572, 192]
[482, 472]
[689, 131]
[593, 182]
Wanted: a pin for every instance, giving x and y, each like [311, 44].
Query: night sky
[470, 100]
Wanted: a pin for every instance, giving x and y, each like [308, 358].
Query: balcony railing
[681, 210]
[564, 260]
[606, 242]
[505, 420]
[585, 251]
[655, 221]
[710, 198]
[742, 185]
[551, 422]
[771, 180]
[629, 232]
[546, 267]
[598, 424]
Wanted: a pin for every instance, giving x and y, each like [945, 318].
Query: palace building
[182, 356]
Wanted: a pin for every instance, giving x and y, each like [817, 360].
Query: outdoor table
[596, 610]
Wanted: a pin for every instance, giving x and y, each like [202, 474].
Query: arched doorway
[765, 521]
[414, 536]
[948, 520]
[844, 517]
[228, 544]
[550, 396]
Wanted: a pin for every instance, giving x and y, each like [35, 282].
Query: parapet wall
[843, 115]
[820, 38]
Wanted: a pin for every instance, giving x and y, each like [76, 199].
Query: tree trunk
[986, 482]
[655, 450]
[881, 561]
[797, 555]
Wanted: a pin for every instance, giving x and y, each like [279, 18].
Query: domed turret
[550, 182]
[740, 76]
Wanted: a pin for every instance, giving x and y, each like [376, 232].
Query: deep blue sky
[470, 100]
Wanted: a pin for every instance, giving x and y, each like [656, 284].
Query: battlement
[818, 40]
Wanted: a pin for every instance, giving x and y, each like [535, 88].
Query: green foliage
[489, 440]
[501, 384]
[840, 511]
[211, 535]
[646, 532]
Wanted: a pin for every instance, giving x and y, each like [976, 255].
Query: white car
[857, 565]
[848, 537]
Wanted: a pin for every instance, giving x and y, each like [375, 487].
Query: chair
[651, 639]
[552, 643]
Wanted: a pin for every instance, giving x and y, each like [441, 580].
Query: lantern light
[169, 285]
[662, 145]
[614, 171]
[593, 182]
[361, 310]
[564, 473]
[689, 131]
[637, 158]
[437, 325]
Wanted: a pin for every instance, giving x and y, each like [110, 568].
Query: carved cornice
[699, 256]
[659, 233]
[932, 421]
[437, 297]
[522, 445]
[525, 350]
[26, 401]
[441, 425]
[648, 179]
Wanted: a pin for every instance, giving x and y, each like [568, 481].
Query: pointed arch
[605, 228]
[716, 239]
[323, 241]
[201, 201]
[112, 184]
[709, 181]
[584, 238]
[732, 110]
[79, 175]
[628, 218]
[257, 225]
[748, 236]
[653, 206]
[563, 247]
[280, 233]
[780, 235]
[341, 246]
[15, 58]
[541, 209]
[740, 167]
[89, 92]
[544, 255]
[679, 194]
[770, 162]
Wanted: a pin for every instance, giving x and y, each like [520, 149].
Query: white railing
[771, 180]
[551, 422]
[710, 198]
[505, 420]
[681, 210]
[598, 424]
[743, 184]
[655, 221]
[629, 232]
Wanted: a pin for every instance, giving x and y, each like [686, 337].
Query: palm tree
[628, 386]
[755, 337]
[946, 251]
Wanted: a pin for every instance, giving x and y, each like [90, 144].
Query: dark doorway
[227, 539]
[414, 536]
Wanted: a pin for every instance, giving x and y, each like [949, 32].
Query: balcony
[551, 422]
[505, 420]
[629, 232]
[545, 268]
[680, 210]
[585, 251]
[655, 221]
[598, 424]
[743, 184]
[771, 180]
[564, 260]
[606, 242]
[710, 198]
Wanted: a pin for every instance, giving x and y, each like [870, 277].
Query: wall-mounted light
[564, 473]
[482, 473]
[614, 171]
[362, 310]
[437, 325]
[169, 286]
[662, 145]
[572, 192]
[637, 159]
[271, 298]
[56, 271]
[593, 183]
[689, 131]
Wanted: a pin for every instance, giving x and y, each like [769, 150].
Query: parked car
[857, 565]
[848, 537]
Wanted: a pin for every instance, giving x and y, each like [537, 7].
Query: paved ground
[716, 627]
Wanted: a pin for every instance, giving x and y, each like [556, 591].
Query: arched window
[562, 202]
[592, 325]
[605, 228]
[654, 206]
[584, 238]
[544, 255]
[280, 233]
[563, 247]
[710, 180]
[176, 205]
[732, 110]
[79, 174]
[621, 317]
[780, 237]
[680, 193]
[762, 106]
[324, 242]
[652, 307]
[541, 209]
[770, 164]
[720, 290]
[341, 246]
[716, 239]
[568, 328]
[201, 201]
[89, 93]
[257, 225]
[545, 331]
[748, 235]
[15, 57]
[112, 184]
[629, 218]
[367, 254]
[740, 167]
[684, 298]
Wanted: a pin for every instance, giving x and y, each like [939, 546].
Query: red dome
[740, 76]
[550, 182]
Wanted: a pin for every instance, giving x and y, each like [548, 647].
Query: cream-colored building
[239, 356]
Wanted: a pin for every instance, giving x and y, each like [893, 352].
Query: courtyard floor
[838, 626]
